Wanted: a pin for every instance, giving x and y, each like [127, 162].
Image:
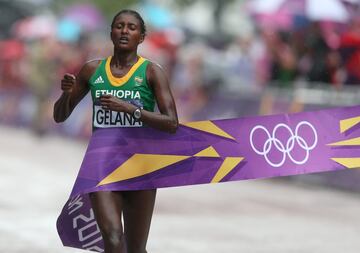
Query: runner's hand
[109, 102]
[68, 83]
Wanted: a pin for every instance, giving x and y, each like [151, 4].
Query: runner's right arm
[74, 89]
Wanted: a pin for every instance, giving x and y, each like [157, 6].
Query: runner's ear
[142, 38]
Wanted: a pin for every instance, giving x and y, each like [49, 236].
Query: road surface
[36, 176]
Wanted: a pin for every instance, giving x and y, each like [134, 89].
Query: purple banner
[207, 152]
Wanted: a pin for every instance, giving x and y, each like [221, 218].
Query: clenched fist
[68, 83]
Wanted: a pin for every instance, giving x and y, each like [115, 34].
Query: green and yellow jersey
[132, 88]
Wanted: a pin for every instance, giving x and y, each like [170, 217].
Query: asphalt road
[36, 176]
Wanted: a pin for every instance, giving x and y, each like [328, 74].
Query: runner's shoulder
[92, 64]
[153, 71]
[89, 68]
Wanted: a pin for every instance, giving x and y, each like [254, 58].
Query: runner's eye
[132, 27]
[118, 26]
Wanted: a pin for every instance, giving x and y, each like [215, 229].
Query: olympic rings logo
[284, 148]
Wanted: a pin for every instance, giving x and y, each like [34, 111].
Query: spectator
[283, 62]
[350, 52]
[317, 51]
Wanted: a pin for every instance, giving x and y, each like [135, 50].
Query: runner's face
[126, 32]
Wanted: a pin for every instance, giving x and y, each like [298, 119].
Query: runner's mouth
[123, 40]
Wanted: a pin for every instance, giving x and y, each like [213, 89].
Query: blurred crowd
[317, 53]
[199, 66]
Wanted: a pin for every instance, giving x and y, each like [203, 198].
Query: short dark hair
[136, 15]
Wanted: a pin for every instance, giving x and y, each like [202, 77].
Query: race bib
[107, 118]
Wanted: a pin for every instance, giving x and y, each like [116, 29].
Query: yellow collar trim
[118, 81]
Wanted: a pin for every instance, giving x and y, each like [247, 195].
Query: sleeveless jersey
[132, 88]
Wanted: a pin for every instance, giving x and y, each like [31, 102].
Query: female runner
[123, 84]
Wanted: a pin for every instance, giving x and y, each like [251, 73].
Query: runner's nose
[125, 30]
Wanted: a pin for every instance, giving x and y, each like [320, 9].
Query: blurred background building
[224, 59]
